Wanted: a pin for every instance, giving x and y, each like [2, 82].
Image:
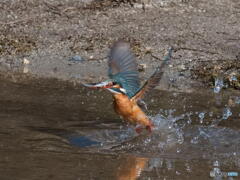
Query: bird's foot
[150, 127]
[139, 129]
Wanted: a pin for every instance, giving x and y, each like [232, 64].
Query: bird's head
[110, 85]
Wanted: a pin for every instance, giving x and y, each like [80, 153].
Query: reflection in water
[82, 141]
[218, 84]
[131, 168]
[60, 126]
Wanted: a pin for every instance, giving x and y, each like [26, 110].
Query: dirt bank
[39, 38]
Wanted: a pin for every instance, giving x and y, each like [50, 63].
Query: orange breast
[129, 110]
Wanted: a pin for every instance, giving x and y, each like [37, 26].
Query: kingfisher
[124, 84]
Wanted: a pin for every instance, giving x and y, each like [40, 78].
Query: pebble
[148, 50]
[142, 67]
[77, 58]
[182, 67]
[25, 61]
[25, 70]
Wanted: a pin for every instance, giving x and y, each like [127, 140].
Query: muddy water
[55, 130]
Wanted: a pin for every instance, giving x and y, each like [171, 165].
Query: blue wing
[123, 68]
[153, 81]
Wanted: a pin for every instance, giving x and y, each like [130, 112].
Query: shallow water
[55, 130]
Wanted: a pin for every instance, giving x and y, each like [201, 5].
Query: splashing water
[165, 135]
[218, 84]
[233, 78]
[168, 134]
[226, 113]
[201, 116]
[237, 100]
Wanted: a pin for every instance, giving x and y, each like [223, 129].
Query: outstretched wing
[123, 68]
[153, 81]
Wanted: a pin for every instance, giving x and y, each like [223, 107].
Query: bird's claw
[149, 128]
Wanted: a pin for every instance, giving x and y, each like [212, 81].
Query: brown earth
[39, 37]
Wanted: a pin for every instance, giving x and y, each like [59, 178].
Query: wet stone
[76, 58]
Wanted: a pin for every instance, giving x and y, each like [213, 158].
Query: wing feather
[123, 67]
[153, 81]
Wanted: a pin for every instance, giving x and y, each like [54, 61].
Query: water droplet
[216, 172]
[237, 100]
[226, 113]
[175, 94]
[188, 168]
[218, 85]
[172, 80]
[194, 140]
[216, 163]
[201, 116]
[233, 78]
[178, 173]
[147, 141]
[211, 114]
[189, 121]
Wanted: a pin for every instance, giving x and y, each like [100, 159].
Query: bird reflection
[131, 168]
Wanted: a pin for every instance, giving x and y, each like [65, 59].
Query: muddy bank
[39, 38]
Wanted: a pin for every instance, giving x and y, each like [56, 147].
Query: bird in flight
[124, 84]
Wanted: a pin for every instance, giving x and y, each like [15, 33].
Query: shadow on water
[56, 130]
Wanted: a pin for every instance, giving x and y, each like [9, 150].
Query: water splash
[216, 163]
[210, 114]
[201, 116]
[170, 132]
[237, 100]
[195, 140]
[226, 113]
[165, 135]
[233, 78]
[218, 84]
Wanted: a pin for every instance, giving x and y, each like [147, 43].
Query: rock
[25, 70]
[182, 67]
[77, 58]
[142, 67]
[25, 61]
[148, 50]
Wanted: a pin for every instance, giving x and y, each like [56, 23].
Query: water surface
[56, 130]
